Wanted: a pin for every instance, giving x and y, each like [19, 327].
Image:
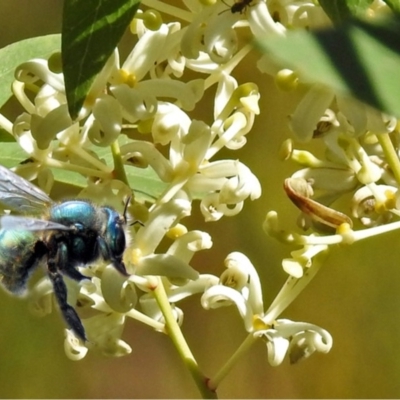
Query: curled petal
[18, 89]
[241, 265]
[202, 64]
[304, 120]
[185, 246]
[21, 132]
[219, 295]
[292, 267]
[210, 209]
[300, 339]
[355, 113]
[238, 188]
[73, 347]
[192, 40]
[226, 86]
[90, 296]
[327, 178]
[145, 53]
[261, 21]
[372, 204]
[104, 332]
[166, 265]
[38, 69]
[277, 345]
[277, 349]
[162, 218]
[213, 210]
[108, 121]
[118, 293]
[199, 285]
[41, 298]
[302, 259]
[170, 122]
[154, 158]
[187, 94]
[108, 192]
[240, 184]
[196, 143]
[305, 343]
[220, 40]
[135, 104]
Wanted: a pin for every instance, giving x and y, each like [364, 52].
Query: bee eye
[79, 226]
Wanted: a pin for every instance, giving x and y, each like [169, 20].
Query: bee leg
[74, 274]
[70, 315]
[57, 264]
[105, 253]
[64, 265]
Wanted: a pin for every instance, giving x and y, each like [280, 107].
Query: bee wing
[19, 195]
[12, 222]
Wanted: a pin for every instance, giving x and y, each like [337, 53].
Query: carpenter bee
[64, 236]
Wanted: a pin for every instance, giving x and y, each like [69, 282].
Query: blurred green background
[355, 296]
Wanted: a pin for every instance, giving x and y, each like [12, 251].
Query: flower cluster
[141, 109]
[127, 110]
[360, 163]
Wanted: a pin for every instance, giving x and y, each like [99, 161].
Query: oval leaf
[358, 59]
[13, 55]
[341, 10]
[90, 32]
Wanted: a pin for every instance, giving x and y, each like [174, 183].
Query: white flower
[299, 339]
[239, 285]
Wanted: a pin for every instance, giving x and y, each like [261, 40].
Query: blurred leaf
[11, 154]
[13, 55]
[144, 182]
[359, 59]
[5, 136]
[394, 5]
[90, 32]
[341, 10]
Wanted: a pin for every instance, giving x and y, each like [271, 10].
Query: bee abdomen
[20, 253]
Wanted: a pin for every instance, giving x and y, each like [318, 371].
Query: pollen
[259, 324]
[127, 78]
[177, 231]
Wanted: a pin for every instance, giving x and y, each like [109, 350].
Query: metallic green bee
[63, 236]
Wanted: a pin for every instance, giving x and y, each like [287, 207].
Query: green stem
[119, 170]
[390, 154]
[214, 382]
[179, 341]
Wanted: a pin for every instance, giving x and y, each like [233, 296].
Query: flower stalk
[174, 332]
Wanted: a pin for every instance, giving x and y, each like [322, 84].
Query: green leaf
[11, 154]
[359, 59]
[19, 52]
[394, 5]
[341, 10]
[144, 182]
[91, 30]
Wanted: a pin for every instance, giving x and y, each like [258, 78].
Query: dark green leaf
[91, 30]
[17, 53]
[359, 59]
[341, 10]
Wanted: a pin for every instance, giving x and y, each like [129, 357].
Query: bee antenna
[126, 207]
[136, 222]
